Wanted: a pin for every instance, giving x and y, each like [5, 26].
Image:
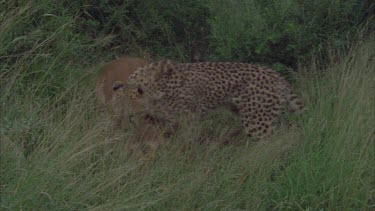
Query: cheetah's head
[151, 82]
[126, 102]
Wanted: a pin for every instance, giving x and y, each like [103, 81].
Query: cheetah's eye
[117, 86]
[140, 91]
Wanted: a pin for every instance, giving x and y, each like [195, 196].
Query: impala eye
[140, 91]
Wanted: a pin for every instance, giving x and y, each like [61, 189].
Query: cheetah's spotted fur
[257, 94]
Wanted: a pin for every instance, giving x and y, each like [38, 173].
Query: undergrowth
[55, 153]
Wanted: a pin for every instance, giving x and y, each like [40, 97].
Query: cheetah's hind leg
[258, 116]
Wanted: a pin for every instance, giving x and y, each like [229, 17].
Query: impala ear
[117, 85]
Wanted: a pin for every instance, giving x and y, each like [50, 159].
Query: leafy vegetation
[55, 154]
[281, 32]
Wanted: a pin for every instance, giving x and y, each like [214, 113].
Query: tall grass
[324, 161]
[55, 153]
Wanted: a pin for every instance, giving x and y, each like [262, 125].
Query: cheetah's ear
[166, 67]
[117, 85]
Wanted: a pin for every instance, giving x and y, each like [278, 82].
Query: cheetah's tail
[295, 104]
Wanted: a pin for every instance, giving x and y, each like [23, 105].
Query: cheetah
[145, 128]
[172, 91]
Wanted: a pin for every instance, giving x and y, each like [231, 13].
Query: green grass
[325, 162]
[55, 153]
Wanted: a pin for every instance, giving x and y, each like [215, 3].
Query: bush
[166, 28]
[279, 33]
[282, 32]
